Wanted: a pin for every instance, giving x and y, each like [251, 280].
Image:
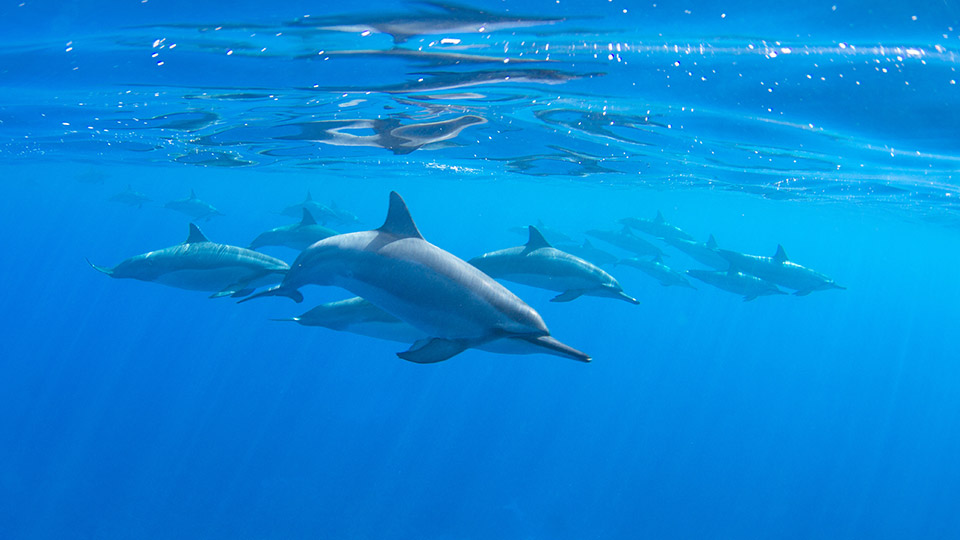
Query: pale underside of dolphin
[201, 265]
[539, 264]
[394, 268]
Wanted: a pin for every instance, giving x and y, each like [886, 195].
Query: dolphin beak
[105, 270]
[629, 298]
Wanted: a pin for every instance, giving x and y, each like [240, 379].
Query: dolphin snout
[105, 270]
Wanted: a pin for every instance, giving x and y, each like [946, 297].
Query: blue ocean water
[135, 410]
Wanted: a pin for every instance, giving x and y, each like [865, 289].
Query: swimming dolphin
[780, 270]
[736, 282]
[626, 239]
[130, 197]
[298, 236]
[358, 316]
[193, 207]
[554, 236]
[657, 226]
[704, 253]
[394, 268]
[317, 210]
[201, 265]
[445, 19]
[539, 264]
[588, 252]
[655, 268]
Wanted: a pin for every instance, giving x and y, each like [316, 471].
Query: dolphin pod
[201, 265]
[397, 270]
[539, 264]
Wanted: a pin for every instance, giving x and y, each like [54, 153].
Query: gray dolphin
[130, 197]
[655, 268]
[657, 226]
[539, 264]
[201, 265]
[394, 268]
[587, 251]
[358, 316]
[704, 253]
[193, 207]
[736, 282]
[317, 210]
[298, 236]
[780, 270]
[554, 236]
[625, 239]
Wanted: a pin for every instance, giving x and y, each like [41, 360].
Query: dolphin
[655, 268]
[554, 236]
[657, 226]
[193, 207]
[539, 264]
[780, 270]
[130, 197]
[298, 236]
[704, 253]
[588, 252]
[625, 239]
[201, 265]
[394, 268]
[736, 282]
[317, 210]
[445, 19]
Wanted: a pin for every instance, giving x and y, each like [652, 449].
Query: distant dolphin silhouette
[627, 240]
[780, 270]
[394, 268]
[657, 270]
[657, 226]
[539, 264]
[704, 253]
[298, 236]
[737, 282]
[193, 207]
[201, 265]
[130, 197]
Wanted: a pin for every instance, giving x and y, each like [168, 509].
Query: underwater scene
[515, 269]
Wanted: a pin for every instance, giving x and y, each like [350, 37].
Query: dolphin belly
[216, 279]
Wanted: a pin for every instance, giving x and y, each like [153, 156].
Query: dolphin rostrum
[394, 268]
[201, 265]
[539, 264]
[736, 282]
[193, 207]
[780, 270]
[657, 270]
[657, 226]
[298, 236]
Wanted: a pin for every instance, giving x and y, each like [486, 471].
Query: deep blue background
[131, 410]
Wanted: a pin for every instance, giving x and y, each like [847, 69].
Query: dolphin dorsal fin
[712, 242]
[587, 244]
[781, 255]
[659, 218]
[309, 196]
[195, 235]
[399, 222]
[307, 218]
[193, 194]
[537, 240]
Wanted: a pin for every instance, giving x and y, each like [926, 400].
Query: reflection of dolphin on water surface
[388, 134]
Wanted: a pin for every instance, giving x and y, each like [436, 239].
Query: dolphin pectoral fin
[105, 270]
[431, 351]
[555, 347]
[572, 294]
[243, 292]
[293, 294]
[749, 297]
[803, 292]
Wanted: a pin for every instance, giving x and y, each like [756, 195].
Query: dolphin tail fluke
[293, 294]
[431, 351]
[553, 346]
[105, 270]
